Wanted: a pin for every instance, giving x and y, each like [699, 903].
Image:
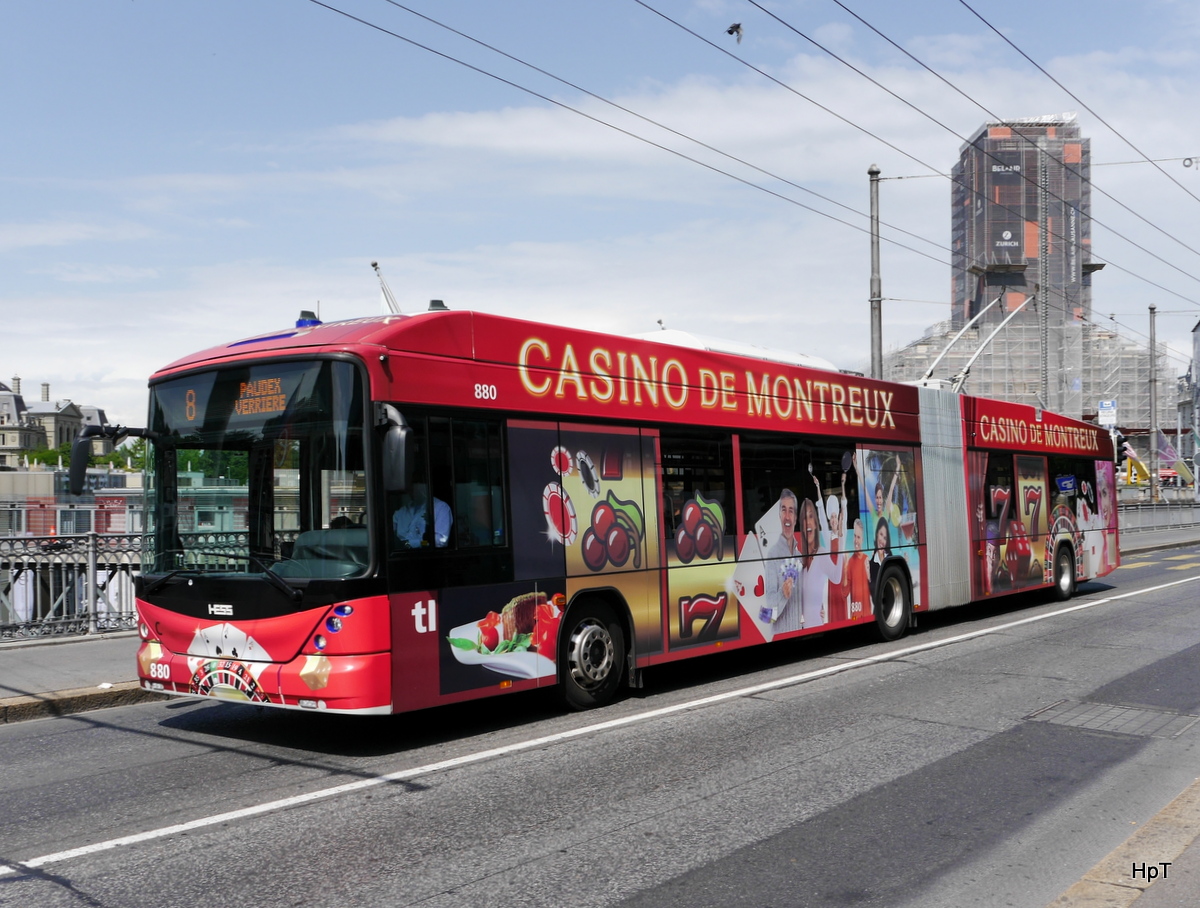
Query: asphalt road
[954, 767]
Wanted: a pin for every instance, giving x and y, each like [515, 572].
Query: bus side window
[771, 464]
[696, 462]
[478, 470]
[457, 500]
[998, 488]
[420, 517]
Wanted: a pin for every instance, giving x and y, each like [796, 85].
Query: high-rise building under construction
[1021, 246]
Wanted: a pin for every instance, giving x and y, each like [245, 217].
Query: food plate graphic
[515, 665]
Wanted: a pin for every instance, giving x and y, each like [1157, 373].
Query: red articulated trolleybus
[386, 514]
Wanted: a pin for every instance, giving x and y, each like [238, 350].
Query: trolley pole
[876, 285]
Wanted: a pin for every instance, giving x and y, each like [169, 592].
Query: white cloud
[101, 274]
[66, 233]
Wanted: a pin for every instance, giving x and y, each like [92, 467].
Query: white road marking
[558, 737]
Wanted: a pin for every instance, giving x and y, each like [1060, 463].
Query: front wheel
[893, 605]
[592, 659]
[1064, 573]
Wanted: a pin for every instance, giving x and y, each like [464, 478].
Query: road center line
[558, 737]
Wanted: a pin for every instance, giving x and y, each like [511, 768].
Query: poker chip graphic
[587, 472]
[560, 514]
[560, 459]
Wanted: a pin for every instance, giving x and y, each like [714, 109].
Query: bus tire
[592, 655]
[1064, 573]
[893, 603]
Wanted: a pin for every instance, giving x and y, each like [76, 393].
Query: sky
[176, 174]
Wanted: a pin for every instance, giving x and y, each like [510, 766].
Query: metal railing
[84, 584]
[67, 584]
[1140, 516]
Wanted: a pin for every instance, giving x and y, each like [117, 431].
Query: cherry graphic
[595, 554]
[603, 517]
[619, 545]
[701, 523]
[615, 534]
[706, 539]
[685, 545]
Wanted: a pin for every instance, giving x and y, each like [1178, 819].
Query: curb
[67, 702]
[1167, 835]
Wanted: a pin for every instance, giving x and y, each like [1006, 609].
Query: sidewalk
[1137, 543]
[55, 676]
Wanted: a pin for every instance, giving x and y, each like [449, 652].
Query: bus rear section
[1020, 499]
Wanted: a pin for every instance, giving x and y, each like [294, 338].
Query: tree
[130, 455]
[50, 456]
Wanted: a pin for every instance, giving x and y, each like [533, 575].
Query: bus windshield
[259, 468]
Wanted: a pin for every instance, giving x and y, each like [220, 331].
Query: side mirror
[397, 469]
[81, 456]
[81, 450]
[397, 464]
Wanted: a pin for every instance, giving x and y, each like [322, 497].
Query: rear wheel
[1064, 573]
[592, 659]
[893, 604]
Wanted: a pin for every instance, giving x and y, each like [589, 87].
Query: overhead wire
[564, 106]
[653, 122]
[997, 117]
[870, 134]
[1062, 163]
[957, 135]
[1060, 306]
[1075, 97]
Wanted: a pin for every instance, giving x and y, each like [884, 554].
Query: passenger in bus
[411, 520]
[783, 571]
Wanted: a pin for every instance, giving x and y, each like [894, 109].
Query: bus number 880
[485, 392]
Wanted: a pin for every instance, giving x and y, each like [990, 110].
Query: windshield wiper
[274, 579]
[161, 581]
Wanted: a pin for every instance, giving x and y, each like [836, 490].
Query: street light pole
[876, 285]
[1153, 410]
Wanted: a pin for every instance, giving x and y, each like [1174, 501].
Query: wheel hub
[590, 656]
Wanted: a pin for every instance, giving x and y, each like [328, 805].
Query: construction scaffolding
[1102, 365]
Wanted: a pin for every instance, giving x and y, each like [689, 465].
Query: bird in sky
[735, 29]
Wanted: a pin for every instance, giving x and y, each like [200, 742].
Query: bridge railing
[1139, 516]
[67, 584]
